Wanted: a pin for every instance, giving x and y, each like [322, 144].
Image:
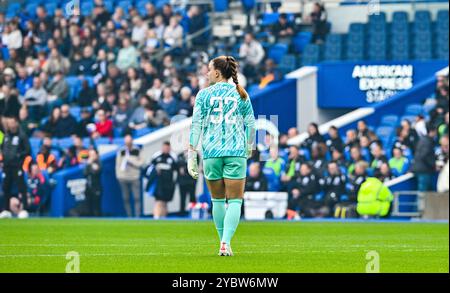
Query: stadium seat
[119, 141]
[142, 132]
[125, 5]
[12, 10]
[400, 16]
[30, 9]
[355, 52]
[65, 142]
[277, 51]
[74, 84]
[75, 112]
[140, 6]
[311, 55]
[288, 63]
[357, 28]
[51, 7]
[102, 140]
[301, 40]
[5, 53]
[269, 19]
[377, 18]
[422, 16]
[86, 8]
[414, 109]
[385, 134]
[333, 47]
[109, 5]
[389, 120]
[410, 118]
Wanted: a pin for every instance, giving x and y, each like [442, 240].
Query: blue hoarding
[363, 84]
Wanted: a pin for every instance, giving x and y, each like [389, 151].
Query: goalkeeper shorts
[225, 167]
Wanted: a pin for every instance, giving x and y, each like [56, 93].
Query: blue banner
[362, 84]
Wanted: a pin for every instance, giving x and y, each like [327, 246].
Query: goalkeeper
[223, 115]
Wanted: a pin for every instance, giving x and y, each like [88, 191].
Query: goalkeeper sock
[231, 221]
[218, 213]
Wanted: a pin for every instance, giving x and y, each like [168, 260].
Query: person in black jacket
[66, 125]
[303, 192]
[334, 186]
[256, 181]
[186, 183]
[424, 163]
[15, 148]
[93, 172]
[334, 142]
[314, 137]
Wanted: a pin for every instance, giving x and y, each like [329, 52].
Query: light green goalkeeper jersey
[224, 120]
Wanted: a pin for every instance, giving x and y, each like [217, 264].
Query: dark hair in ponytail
[228, 67]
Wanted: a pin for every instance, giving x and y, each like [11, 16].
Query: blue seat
[12, 10]
[219, 5]
[378, 52]
[385, 134]
[75, 111]
[414, 109]
[119, 141]
[109, 5]
[355, 52]
[288, 63]
[142, 132]
[400, 16]
[422, 16]
[377, 18]
[140, 6]
[333, 53]
[87, 142]
[65, 142]
[248, 4]
[311, 55]
[86, 8]
[51, 7]
[422, 51]
[102, 140]
[358, 28]
[30, 8]
[333, 39]
[419, 27]
[269, 18]
[301, 40]
[277, 51]
[74, 84]
[272, 179]
[400, 52]
[389, 120]
[125, 5]
[410, 118]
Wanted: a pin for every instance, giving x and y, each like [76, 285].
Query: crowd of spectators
[326, 171]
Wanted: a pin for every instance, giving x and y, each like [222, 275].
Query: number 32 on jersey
[219, 110]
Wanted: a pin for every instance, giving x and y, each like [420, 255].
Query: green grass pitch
[114, 245]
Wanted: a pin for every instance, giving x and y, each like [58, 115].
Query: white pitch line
[191, 253]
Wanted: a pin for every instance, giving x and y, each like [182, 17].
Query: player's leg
[234, 179]
[213, 176]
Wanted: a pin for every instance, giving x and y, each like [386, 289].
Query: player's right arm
[194, 136]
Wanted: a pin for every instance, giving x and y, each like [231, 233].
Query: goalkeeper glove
[249, 151]
[192, 164]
